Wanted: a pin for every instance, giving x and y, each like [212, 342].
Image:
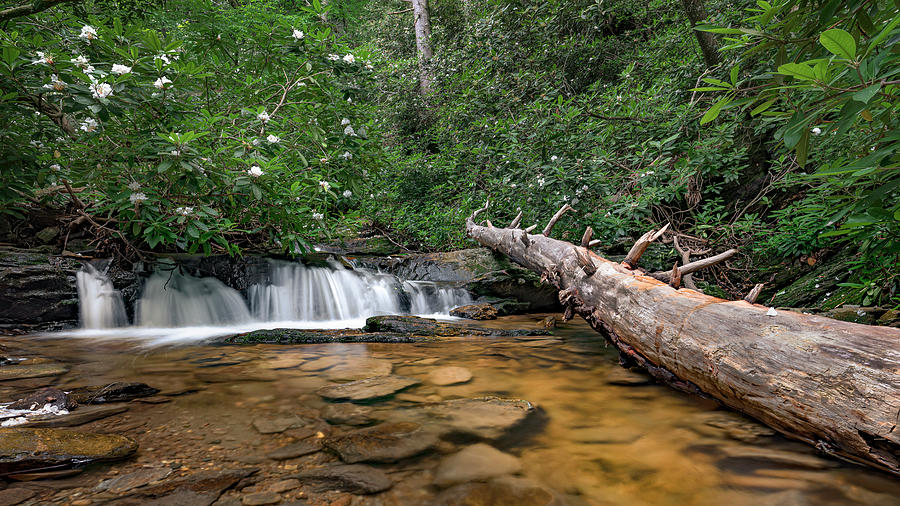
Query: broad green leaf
[714, 111]
[763, 106]
[839, 43]
[865, 95]
[798, 70]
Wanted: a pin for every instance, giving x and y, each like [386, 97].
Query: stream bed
[593, 434]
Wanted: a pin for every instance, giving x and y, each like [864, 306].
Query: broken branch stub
[584, 258]
[586, 238]
[696, 266]
[555, 218]
[516, 220]
[631, 260]
[754, 293]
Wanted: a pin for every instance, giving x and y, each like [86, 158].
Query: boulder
[388, 442]
[482, 311]
[23, 449]
[36, 287]
[355, 478]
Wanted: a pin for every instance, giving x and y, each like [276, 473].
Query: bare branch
[29, 8]
[476, 212]
[530, 229]
[555, 218]
[517, 220]
[586, 238]
[675, 277]
[696, 266]
[640, 247]
[594, 243]
[489, 224]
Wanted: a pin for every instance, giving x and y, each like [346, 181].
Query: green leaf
[865, 95]
[839, 43]
[714, 111]
[795, 130]
[763, 106]
[798, 70]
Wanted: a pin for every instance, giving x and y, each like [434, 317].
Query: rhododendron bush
[194, 128]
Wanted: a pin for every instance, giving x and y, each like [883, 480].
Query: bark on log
[832, 384]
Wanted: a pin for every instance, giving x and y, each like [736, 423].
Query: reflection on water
[603, 435]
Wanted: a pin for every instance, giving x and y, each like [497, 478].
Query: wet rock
[604, 435]
[261, 498]
[415, 325]
[15, 495]
[475, 312]
[348, 414]
[354, 478]
[367, 389]
[285, 485]
[502, 491]
[80, 416]
[420, 399]
[449, 375]
[485, 417]
[623, 377]
[52, 396]
[295, 450]
[200, 488]
[890, 317]
[297, 336]
[31, 370]
[46, 475]
[113, 392]
[478, 462]
[507, 307]
[356, 369]
[856, 314]
[320, 364]
[280, 424]
[36, 287]
[126, 482]
[776, 457]
[22, 449]
[388, 442]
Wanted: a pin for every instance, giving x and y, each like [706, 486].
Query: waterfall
[100, 304]
[173, 299]
[430, 298]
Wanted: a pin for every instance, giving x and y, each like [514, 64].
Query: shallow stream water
[601, 436]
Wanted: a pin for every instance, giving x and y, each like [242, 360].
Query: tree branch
[29, 8]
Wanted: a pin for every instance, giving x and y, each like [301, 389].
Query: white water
[99, 304]
[175, 307]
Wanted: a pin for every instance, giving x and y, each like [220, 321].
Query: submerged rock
[354, 478]
[415, 325]
[23, 449]
[502, 491]
[449, 375]
[477, 462]
[348, 414]
[359, 368]
[80, 416]
[475, 312]
[485, 417]
[113, 392]
[32, 370]
[367, 389]
[130, 481]
[388, 442]
[280, 424]
[295, 450]
[43, 397]
[200, 488]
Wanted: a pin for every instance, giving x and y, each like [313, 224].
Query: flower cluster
[255, 171]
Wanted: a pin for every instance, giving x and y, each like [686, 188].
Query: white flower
[273, 139]
[346, 155]
[137, 197]
[90, 70]
[541, 182]
[184, 211]
[297, 34]
[323, 160]
[121, 69]
[43, 58]
[349, 58]
[263, 116]
[255, 171]
[318, 216]
[55, 83]
[81, 62]
[89, 125]
[88, 33]
[255, 141]
[101, 90]
[334, 57]
[134, 186]
[771, 312]
[162, 82]
[348, 194]
[817, 131]
[554, 158]
[163, 58]
[345, 122]
[175, 152]
[55, 166]
[369, 66]
[618, 98]
[325, 185]
[348, 130]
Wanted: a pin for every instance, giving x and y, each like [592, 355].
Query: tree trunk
[422, 20]
[696, 13]
[832, 384]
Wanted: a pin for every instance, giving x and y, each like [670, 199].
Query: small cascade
[100, 304]
[427, 297]
[173, 299]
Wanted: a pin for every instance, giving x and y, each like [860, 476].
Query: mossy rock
[413, 325]
[23, 449]
[298, 336]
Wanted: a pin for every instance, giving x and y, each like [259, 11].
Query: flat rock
[414, 325]
[15, 495]
[261, 498]
[80, 416]
[130, 481]
[478, 462]
[388, 442]
[605, 435]
[484, 417]
[285, 485]
[450, 375]
[112, 392]
[200, 488]
[367, 389]
[506, 491]
[356, 369]
[475, 312]
[52, 396]
[320, 364]
[295, 450]
[299, 336]
[348, 414]
[23, 449]
[23, 371]
[278, 425]
[355, 478]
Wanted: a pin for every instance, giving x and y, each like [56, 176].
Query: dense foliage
[280, 123]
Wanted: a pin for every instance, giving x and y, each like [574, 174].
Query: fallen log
[832, 384]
